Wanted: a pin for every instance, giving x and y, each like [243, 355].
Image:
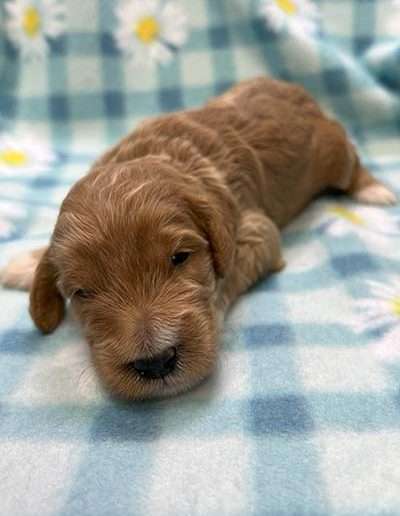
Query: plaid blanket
[303, 413]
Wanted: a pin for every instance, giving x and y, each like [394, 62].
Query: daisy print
[149, 31]
[381, 310]
[296, 15]
[375, 227]
[23, 155]
[31, 23]
[346, 218]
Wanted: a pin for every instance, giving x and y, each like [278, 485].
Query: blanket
[302, 415]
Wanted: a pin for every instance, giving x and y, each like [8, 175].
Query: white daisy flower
[23, 155]
[368, 222]
[296, 15]
[383, 307]
[31, 22]
[379, 311]
[148, 32]
[375, 226]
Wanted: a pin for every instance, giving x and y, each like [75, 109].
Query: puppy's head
[139, 254]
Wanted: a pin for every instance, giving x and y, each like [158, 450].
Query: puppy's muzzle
[158, 366]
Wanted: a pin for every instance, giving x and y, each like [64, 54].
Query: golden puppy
[176, 221]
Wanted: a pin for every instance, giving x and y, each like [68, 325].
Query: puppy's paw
[376, 193]
[19, 272]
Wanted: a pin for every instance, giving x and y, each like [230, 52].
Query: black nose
[157, 366]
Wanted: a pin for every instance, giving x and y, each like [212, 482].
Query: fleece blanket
[302, 415]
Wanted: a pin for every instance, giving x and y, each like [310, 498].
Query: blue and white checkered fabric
[303, 414]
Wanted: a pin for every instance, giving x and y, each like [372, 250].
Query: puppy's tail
[20, 271]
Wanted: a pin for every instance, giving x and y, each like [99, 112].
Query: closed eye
[83, 293]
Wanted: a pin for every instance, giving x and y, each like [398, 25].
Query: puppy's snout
[158, 366]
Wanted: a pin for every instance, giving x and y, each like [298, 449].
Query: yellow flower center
[13, 158]
[31, 21]
[147, 29]
[288, 6]
[346, 214]
[395, 305]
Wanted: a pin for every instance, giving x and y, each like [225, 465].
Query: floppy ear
[47, 306]
[216, 216]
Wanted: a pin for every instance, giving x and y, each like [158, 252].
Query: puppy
[176, 221]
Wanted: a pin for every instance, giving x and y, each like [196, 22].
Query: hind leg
[365, 188]
[339, 166]
[347, 172]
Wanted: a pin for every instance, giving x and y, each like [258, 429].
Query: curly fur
[219, 182]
